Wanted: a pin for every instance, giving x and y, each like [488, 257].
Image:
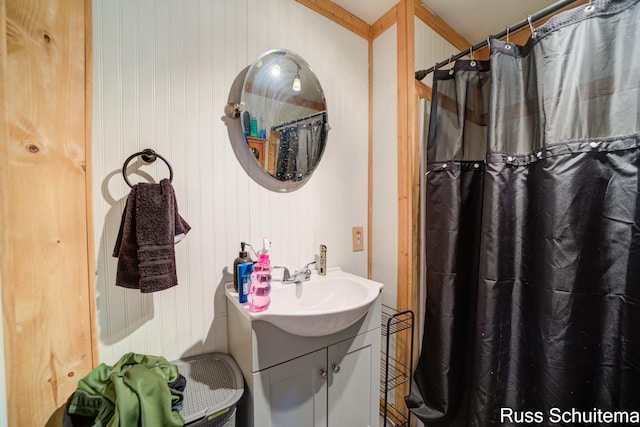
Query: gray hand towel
[149, 229]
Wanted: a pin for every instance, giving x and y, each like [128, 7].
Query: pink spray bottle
[260, 287]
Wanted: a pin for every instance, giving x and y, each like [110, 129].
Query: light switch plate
[358, 239]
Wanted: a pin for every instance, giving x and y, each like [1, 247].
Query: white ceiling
[474, 20]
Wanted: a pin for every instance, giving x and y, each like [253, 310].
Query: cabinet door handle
[336, 368]
[323, 374]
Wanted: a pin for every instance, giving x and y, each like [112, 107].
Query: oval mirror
[282, 120]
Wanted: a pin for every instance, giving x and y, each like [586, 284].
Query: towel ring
[149, 156]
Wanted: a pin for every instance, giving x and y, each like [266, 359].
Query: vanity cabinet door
[337, 386]
[293, 393]
[354, 381]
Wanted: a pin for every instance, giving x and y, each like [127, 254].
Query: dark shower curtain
[533, 230]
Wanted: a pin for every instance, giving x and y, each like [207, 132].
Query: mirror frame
[241, 148]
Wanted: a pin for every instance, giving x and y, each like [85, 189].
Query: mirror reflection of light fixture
[275, 69]
[297, 85]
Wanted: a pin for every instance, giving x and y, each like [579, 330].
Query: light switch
[358, 239]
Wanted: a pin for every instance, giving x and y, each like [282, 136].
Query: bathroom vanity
[298, 380]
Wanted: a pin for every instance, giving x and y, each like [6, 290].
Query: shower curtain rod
[419, 75]
[301, 119]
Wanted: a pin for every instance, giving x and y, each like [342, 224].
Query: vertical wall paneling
[384, 164]
[163, 71]
[45, 228]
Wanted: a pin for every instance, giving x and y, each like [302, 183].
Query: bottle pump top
[243, 252]
[242, 259]
[266, 246]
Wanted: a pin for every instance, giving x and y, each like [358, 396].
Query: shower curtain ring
[473, 60]
[533, 30]
[449, 65]
[508, 46]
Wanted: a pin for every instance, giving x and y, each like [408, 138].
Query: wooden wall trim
[423, 91]
[439, 26]
[408, 165]
[45, 270]
[385, 22]
[4, 203]
[370, 166]
[408, 175]
[91, 255]
[338, 15]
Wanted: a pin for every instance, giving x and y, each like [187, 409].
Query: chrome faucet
[302, 275]
[286, 275]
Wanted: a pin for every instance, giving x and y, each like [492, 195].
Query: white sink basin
[321, 306]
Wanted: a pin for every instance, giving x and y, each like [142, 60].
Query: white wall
[162, 74]
[384, 252]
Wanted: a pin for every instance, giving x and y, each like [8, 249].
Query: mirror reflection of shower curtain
[309, 135]
[299, 149]
[287, 149]
[533, 276]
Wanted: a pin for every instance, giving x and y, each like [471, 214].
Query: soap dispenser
[243, 257]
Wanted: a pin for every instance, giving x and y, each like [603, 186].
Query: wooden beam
[6, 308]
[408, 171]
[439, 26]
[339, 15]
[424, 91]
[385, 22]
[88, 126]
[45, 268]
[407, 157]
[370, 165]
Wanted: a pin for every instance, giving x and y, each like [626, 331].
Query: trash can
[214, 387]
